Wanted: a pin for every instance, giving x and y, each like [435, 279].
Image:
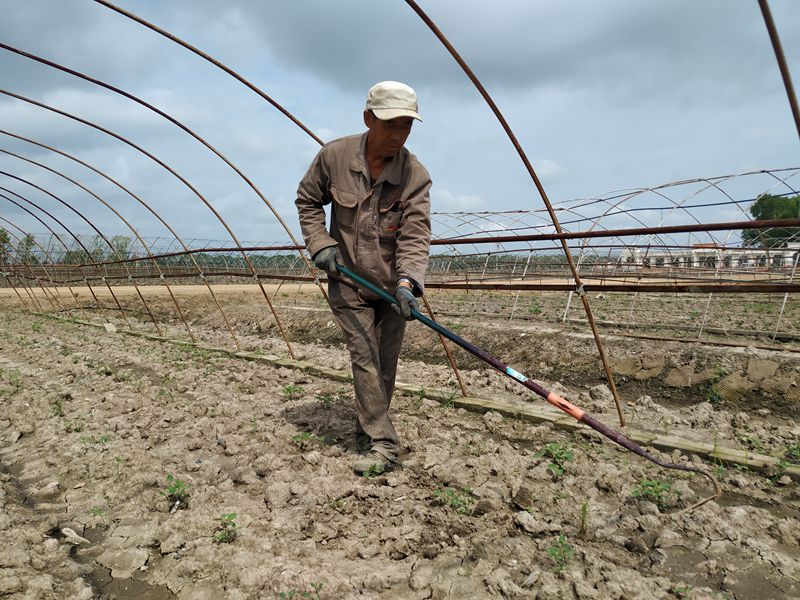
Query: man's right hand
[327, 258]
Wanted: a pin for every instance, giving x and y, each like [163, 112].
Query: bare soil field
[137, 469]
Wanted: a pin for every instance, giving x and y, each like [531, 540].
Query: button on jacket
[382, 228]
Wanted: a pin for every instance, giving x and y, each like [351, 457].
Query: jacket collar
[392, 171]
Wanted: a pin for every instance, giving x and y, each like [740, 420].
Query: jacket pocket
[345, 207]
[390, 211]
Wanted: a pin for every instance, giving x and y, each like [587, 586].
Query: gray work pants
[374, 333]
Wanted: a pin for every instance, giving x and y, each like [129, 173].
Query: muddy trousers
[374, 333]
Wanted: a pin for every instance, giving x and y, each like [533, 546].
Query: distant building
[711, 256]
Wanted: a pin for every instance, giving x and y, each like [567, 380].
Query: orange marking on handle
[567, 407]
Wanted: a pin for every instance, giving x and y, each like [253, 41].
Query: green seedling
[304, 439]
[177, 492]
[655, 490]
[325, 399]
[37, 326]
[793, 452]
[449, 398]
[89, 440]
[312, 594]
[73, 425]
[292, 392]
[57, 408]
[560, 552]
[228, 529]
[558, 455]
[683, 592]
[534, 308]
[584, 517]
[14, 379]
[462, 504]
[99, 513]
[373, 471]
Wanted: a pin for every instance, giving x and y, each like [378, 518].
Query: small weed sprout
[325, 399]
[57, 408]
[177, 492]
[304, 439]
[74, 425]
[312, 594]
[462, 504]
[584, 517]
[373, 471]
[37, 326]
[99, 513]
[560, 552]
[227, 530]
[449, 398]
[793, 452]
[683, 592]
[558, 455]
[655, 490]
[292, 392]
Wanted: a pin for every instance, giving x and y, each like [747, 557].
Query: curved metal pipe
[575, 275]
[263, 95]
[55, 235]
[214, 62]
[784, 68]
[102, 236]
[151, 157]
[149, 106]
[52, 281]
[177, 237]
[82, 216]
[21, 280]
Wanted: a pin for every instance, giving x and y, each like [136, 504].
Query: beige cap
[392, 99]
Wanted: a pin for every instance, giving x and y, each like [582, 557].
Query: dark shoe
[372, 463]
[363, 443]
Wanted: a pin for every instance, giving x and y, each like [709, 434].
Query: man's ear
[369, 118]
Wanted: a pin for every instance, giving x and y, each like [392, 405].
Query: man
[380, 229]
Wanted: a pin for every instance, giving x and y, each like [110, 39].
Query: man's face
[387, 137]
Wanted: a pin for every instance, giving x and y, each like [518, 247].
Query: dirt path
[93, 424]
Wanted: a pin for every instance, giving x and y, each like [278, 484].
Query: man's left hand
[406, 301]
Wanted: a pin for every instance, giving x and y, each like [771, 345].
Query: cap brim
[385, 114]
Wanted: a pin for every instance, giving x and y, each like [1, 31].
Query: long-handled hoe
[551, 397]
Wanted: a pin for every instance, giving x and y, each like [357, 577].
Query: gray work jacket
[382, 230]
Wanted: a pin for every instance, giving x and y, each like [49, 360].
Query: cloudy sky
[602, 95]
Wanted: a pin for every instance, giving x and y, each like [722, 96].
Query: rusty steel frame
[154, 159]
[197, 137]
[108, 178]
[578, 287]
[55, 293]
[89, 222]
[75, 237]
[149, 208]
[613, 207]
[781, 60]
[26, 286]
[102, 277]
[264, 96]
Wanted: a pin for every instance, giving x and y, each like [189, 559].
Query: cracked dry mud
[92, 424]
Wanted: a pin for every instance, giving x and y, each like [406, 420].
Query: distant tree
[25, 251]
[122, 247]
[773, 207]
[5, 245]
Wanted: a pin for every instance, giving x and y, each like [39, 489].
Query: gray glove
[327, 258]
[405, 298]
